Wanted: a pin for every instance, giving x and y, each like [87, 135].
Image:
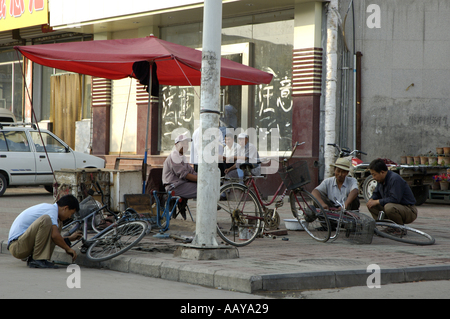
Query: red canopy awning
[113, 59]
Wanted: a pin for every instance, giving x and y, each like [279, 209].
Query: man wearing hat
[340, 187]
[177, 174]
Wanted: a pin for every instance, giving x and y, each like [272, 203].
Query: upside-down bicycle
[117, 233]
[359, 228]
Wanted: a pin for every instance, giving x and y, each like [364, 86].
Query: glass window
[272, 108]
[17, 141]
[3, 147]
[17, 100]
[11, 86]
[262, 107]
[51, 144]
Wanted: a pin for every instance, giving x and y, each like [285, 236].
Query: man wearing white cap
[177, 174]
[341, 187]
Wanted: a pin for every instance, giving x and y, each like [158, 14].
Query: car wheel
[49, 188]
[368, 187]
[3, 184]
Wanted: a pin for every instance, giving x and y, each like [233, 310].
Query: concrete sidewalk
[298, 263]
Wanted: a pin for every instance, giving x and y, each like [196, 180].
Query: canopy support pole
[144, 165]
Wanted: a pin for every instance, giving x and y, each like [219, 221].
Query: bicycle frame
[250, 183]
[85, 222]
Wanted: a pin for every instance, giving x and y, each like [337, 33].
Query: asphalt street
[20, 282]
[289, 266]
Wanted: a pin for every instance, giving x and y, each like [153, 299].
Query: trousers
[400, 214]
[36, 241]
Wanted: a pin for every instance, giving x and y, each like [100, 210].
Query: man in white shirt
[246, 153]
[230, 150]
[341, 187]
[37, 229]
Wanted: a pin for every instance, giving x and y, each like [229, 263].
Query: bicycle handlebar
[293, 150]
[354, 152]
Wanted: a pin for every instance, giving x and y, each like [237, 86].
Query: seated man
[36, 230]
[340, 187]
[230, 150]
[178, 175]
[391, 195]
[246, 152]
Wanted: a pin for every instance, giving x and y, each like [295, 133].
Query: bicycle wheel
[117, 240]
[239, 218]
[310, 215]
[405, 234]
[100, 220]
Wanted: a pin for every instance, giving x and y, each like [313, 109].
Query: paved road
[278, 265]
[19, 281]
[415, 290]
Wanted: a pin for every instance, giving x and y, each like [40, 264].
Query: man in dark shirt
[391, 195]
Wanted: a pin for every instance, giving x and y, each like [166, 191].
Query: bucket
[292, 224]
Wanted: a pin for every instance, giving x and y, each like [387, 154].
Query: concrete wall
[405, 76]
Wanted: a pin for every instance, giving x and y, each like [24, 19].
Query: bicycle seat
[249, 166]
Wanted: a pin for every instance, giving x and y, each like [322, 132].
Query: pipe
[358, 100]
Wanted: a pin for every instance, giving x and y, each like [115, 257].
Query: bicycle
[124, 231]
[242, 214]
[360, 228]
[405, 234]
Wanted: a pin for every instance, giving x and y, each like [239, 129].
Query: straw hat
[342, 163]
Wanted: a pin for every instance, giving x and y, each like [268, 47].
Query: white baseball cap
[242, 135]
[182, 138]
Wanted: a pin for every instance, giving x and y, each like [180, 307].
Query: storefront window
[268, 47]
[11, 84]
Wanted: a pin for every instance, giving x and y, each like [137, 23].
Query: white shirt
[250, 152]
[331, 190]
[231, 151]
[29, 215]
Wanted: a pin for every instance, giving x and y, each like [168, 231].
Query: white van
[6, 116]
[23, 158]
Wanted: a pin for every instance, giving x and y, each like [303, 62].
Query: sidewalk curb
[221, 278]
[172, 270]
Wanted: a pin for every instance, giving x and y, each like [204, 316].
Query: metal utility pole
[208, 184]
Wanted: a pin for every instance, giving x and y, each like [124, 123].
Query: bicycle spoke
[310, 215]
[117, 240]
[239, 217]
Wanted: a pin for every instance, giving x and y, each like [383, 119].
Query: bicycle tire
[388, 229]
[100, 220]
[112, 243]
[310, 214]
[239, 219]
